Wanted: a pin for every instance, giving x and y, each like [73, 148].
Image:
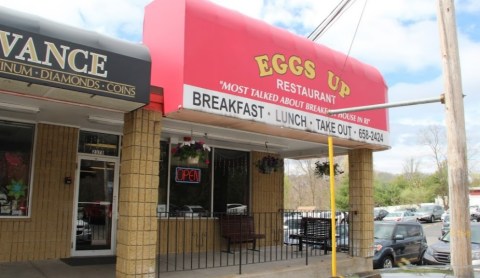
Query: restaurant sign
[243, 68]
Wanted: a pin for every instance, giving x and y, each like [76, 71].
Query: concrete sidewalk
[54, 269]
[319, 266]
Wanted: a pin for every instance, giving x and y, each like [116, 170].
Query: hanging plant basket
[323, 169]
[191, 151]
[269, 164]
[193, 160]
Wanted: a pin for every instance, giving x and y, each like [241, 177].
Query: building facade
[96, 133]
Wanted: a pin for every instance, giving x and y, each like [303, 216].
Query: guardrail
[196, 241]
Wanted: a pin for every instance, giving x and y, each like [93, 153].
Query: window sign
[187, 175]
[219, 186]
[98, 143]
[189, 184]
[16, 149]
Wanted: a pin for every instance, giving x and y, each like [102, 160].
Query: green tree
[341, 194]
[475, 179]
[386, 193]
[437, 186]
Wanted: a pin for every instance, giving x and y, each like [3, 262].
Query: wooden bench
[314, 231]
[239, 229]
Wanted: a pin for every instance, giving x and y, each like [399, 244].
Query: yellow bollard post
[332, 205]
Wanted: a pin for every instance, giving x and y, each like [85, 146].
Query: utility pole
[461, 249]
[460, 231]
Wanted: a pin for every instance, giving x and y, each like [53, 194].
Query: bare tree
[434, 137]
[472, 154]
[305, 188]
[411, 171]
[312, 184]
[411, 166]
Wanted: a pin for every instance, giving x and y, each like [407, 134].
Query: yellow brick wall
[361, 202]
[47, 233]
[267, 198]
[189, 235]
[267, 189]
[138, 197]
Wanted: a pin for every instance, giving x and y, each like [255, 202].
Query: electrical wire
[354, 34]
[330, 19]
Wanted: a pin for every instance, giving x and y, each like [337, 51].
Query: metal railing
[195, 240]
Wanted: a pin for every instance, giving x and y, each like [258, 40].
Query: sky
[398, 37]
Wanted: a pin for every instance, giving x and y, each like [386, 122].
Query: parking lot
[432, 231]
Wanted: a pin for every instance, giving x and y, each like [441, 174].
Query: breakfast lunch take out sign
[215, 60]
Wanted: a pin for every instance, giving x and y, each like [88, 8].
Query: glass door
[95, 207]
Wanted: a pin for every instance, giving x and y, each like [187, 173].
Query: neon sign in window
[188, 175]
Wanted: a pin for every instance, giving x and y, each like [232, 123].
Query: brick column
[361, 202]
[139, 180]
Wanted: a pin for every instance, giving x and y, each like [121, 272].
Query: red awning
[216, 62]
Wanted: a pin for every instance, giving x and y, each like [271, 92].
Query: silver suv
[429, 213]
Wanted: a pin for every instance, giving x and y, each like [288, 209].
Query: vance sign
[36, 58]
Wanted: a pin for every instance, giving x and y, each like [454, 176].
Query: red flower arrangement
[191, 149]
[269, 164]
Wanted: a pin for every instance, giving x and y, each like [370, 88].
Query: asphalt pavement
[432, 231]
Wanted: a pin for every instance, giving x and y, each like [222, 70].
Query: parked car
[342, 237]
[341, 216]
[84, 231]
[425, 271]
[396, 242]
[379, 214]
[429, 213]
[474, 208]
[291, 226]
[445, 224]
[401, 216]
[236, 209]
[412, 209]
[191, 211]
[289, 213]
[446, 212]
[475, 216]
[439, 252]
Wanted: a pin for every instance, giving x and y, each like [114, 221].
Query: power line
[328, 21]
[354, 34]
[332, 17]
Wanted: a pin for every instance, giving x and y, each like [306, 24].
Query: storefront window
[231, 173]
[98, 143]
[163, 188]
[188, 187]
[16, 149]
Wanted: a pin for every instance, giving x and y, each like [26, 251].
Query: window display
[16, 147]
[189, 190]
[98, 143]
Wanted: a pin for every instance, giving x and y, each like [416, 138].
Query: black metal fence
[199, 241]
